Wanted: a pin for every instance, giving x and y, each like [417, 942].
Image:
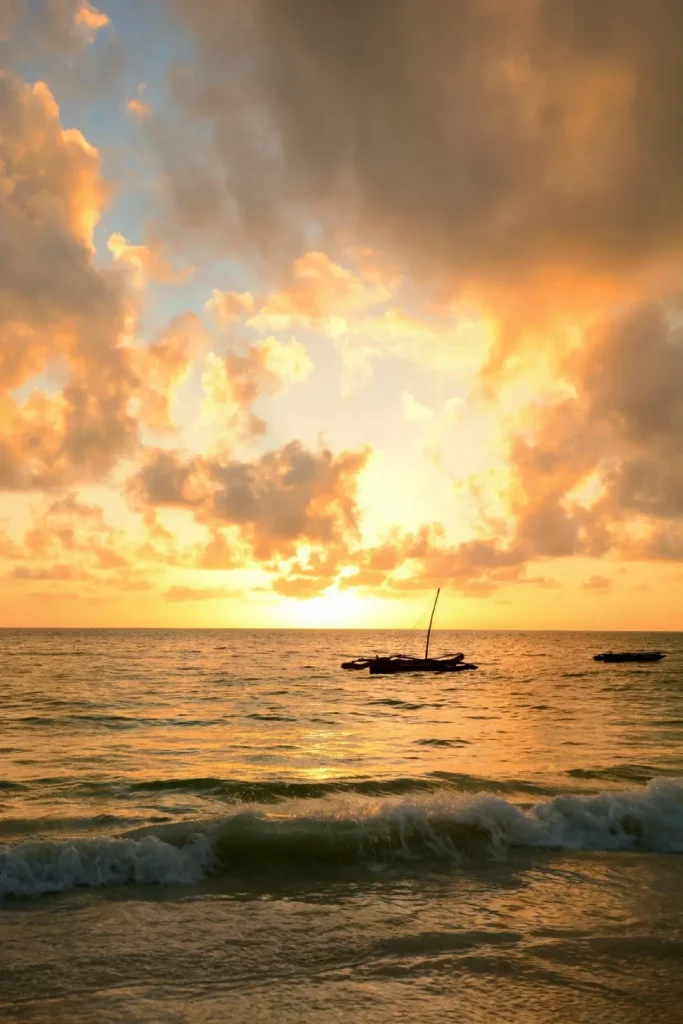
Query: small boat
[404, 663]
[637, 656]
[396, 663]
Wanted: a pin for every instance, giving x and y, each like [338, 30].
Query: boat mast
[431, 619]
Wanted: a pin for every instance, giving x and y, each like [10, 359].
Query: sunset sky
[307, 308]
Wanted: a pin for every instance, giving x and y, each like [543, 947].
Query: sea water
[221, 825]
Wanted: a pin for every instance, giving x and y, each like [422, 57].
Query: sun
[334, 609]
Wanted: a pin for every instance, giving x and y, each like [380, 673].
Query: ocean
[221, 825]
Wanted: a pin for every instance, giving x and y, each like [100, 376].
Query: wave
[442, 743]
[34, 869]
[114, 721]
[112, 823]
[236, 791]
[623, 773]
[436, 830]
[55, 654]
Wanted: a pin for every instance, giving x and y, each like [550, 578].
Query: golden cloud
[286, 496]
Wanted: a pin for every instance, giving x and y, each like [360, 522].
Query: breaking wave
[431, 829]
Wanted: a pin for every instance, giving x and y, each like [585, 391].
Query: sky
[307, 309]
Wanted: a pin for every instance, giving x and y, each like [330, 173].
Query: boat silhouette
[638, 656]
[395, 663]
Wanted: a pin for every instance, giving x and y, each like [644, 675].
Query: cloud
[475, 566]
[413, 410]
[40, 598]
[476, 138]
[230, 307]
[72, 42]
[318, 294]
[200, 593]
[232, 384]
[57, 26]
[632, 382]
[289, 494]
[544, 582]
[357, 303]
[60, 311]
[469, 173]
[162, 368]
[69, 540]
[322, 294]
[146, 261]
[286, 496]
[9, 549]
[59, 572]
[165, 479]
[9, 14]
[617, 438]
[521, 160]
[224, 550]
[109, 558]
[53, 301]
[597, 584]
[75, 538]
[90, 19]
[406, 562]
[138, 108]
[132, 585]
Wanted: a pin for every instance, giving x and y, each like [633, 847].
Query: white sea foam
[35, 868]
[302, 834]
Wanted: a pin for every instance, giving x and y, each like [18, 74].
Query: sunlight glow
[335, 609]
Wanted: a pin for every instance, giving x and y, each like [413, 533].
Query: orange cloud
[451, 240]
[591, 464]
[89, 19]
[54, 572]
[413, 410]
[59, 309]
[231, 385]
[64, 28]
[321, 294]
[53, 301]
[284, 497]
[9, 14]
[360, 311]
[146, 262]
[597, 584]
[225, 550]
[228, 308]
[569, 161]
[200, 593]
[138, 108]
[162, 368]
[558, 200]
[36, 148]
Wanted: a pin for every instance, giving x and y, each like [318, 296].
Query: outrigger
[395, 663]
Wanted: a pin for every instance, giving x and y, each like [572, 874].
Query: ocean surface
[221, 825]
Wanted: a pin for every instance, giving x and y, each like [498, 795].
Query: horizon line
[331, 629]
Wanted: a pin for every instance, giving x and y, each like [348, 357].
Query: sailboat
[395, 663]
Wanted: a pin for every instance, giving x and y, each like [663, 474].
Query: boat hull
[629, 656]
[394, 666]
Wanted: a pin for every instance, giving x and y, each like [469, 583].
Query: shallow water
[206, 825]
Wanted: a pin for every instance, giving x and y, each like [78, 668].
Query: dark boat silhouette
[395, 663]
[637, 656]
